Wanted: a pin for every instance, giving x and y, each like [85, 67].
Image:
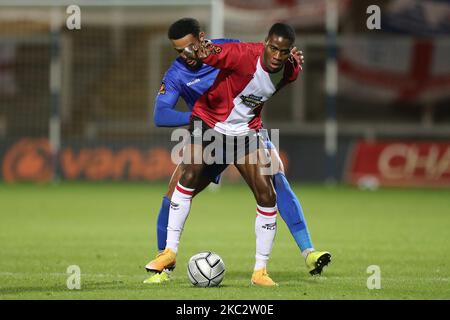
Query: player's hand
[297, 57]
[204, 49]
[199, 51]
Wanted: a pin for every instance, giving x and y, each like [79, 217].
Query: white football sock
[265, 229]
[180, 204]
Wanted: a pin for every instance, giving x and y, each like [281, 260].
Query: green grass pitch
[108, 230]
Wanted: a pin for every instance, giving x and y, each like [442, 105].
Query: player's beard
[196, 66]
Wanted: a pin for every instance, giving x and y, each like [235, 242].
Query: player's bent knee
[190, 177]
[266, 198]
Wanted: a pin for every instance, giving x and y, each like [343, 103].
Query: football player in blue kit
[189, 79]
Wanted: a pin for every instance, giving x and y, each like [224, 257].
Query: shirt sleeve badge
[162, 89]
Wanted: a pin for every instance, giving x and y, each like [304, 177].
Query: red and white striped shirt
[233, 104]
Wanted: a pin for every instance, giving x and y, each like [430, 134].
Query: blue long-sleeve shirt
[180, 81]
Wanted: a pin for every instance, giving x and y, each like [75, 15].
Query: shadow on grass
[85, 287]
[232, 280]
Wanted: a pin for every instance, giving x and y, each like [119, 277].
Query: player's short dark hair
[183, 27]
[282, 30]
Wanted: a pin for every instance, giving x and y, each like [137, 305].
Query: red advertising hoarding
[397, 163]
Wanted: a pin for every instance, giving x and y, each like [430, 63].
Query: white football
[206, 269]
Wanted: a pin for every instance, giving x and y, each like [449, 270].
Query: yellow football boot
[316, 260]
[158, 278]
[261, 278]
[164, 260]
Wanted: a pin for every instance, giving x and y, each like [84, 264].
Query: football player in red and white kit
[250, 73]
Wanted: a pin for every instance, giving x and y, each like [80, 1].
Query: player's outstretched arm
[164, 114]
[222, 56]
